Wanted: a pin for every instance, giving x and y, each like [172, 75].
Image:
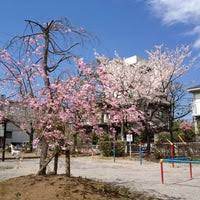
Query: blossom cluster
[61, 106]
[185, 126]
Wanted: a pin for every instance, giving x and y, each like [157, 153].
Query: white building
[196, 107]
[14, 134]
[133, 60]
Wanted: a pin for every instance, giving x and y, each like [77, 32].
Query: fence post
[161, 171]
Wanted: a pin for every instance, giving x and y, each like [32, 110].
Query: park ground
[124, 172]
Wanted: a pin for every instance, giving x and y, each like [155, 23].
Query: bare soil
[59, 187]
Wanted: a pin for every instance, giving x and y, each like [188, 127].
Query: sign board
[129, 137]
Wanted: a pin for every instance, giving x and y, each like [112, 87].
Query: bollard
[130, 149]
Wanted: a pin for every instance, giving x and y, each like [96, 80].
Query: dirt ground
[60, 187]
[124, 172]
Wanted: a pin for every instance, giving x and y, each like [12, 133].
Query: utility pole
[4, 140]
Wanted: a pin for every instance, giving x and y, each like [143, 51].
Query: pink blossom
[185, 126]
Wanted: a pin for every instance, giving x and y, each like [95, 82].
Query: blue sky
[127, 26]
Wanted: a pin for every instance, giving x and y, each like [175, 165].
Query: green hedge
[186, 136]
[106, 148]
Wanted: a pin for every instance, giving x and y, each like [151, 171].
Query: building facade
[195, 91]
[14, 134]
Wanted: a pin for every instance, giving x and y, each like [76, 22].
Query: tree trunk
[122, 131]
[31, 140]
[148, 137]
[148, 143]
[43, 156]
[75, 143]
[47, 83]
[55, 170]
[171, 121]
[171, 131]
[45, 164]
[67, 163]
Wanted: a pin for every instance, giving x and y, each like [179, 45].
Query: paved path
[124, 172]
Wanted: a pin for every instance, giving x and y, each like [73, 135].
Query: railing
[190, 149]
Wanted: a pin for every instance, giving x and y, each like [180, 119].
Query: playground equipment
[179, 159]
[182, 160]
[172, 149]
[141, 153]
[15, 153]
[181, 139]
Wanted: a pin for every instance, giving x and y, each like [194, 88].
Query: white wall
[196, 105]
[18, 136]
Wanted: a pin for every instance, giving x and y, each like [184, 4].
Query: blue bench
[183, 160]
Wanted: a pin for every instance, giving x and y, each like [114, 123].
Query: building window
[9, 134]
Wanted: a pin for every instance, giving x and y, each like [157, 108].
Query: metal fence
[191, 149]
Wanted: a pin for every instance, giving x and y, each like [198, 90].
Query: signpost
[140, 153]
[114, 147]
[129, 138]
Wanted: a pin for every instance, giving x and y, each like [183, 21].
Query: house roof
[194, 89]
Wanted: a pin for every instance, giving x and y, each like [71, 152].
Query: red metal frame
[172, 152]
[161, 171]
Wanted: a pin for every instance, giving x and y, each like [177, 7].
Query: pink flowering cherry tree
[115, 94]
[146, 84]
[185, 126]
[34, 76]
[57, 104]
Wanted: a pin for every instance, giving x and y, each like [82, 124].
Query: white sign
[129, 137]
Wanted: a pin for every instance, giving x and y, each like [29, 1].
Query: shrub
[106, 147]
[163, 137]
[120, 148]
[95, 139]
[187, 136]
[157, 154]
